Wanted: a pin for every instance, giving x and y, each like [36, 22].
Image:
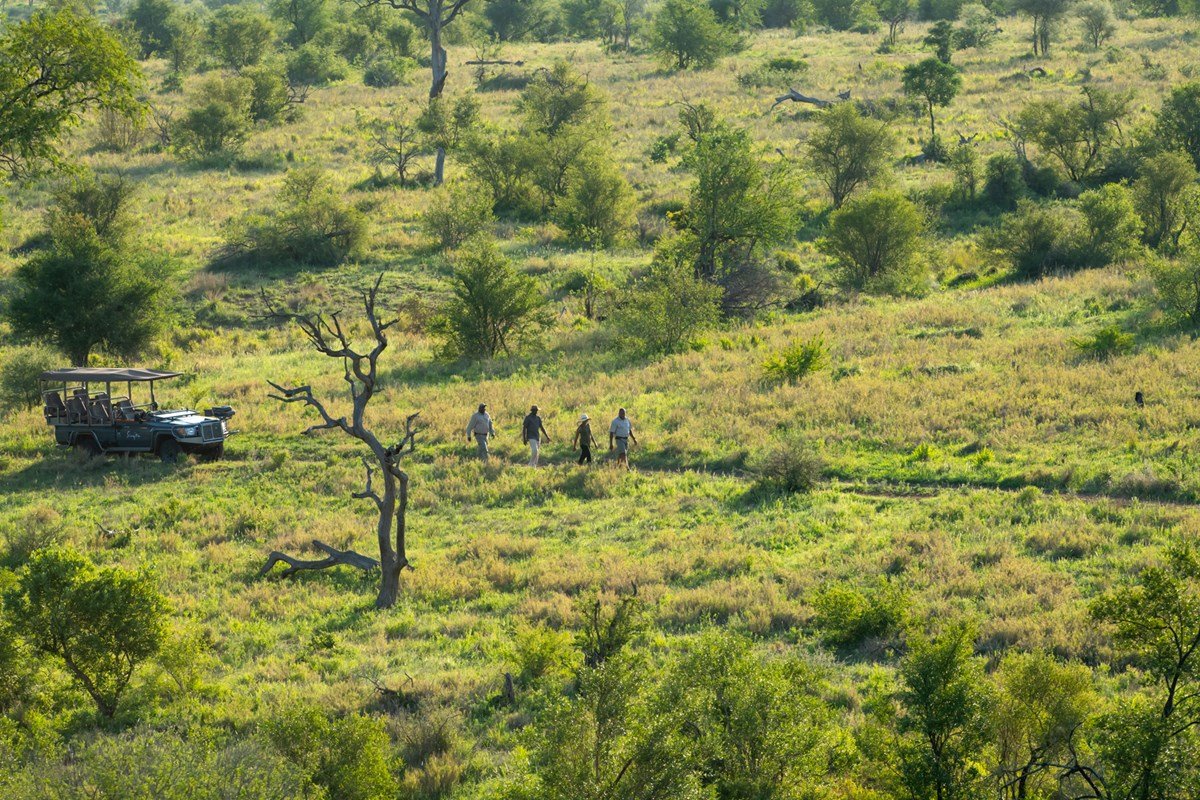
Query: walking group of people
[533, 434]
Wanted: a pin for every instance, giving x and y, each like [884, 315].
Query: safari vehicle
[95, 424]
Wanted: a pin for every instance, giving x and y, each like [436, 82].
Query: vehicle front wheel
[213, 453]
[169, 451]
[86, 447]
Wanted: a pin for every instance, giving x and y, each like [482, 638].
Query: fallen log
[335, 558]
[796, 97]
[494, 62]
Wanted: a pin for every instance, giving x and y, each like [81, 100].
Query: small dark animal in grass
[1140, 399]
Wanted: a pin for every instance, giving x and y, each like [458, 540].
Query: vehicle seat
[125, 411]
[101, 409]
[76, 410]
[53, 407]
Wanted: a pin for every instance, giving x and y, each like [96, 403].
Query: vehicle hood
[181, 417]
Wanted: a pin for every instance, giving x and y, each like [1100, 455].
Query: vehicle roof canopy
[101, 375]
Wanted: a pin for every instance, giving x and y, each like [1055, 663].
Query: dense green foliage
[55, 67]
[102, 624]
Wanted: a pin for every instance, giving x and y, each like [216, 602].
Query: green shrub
[269, 97]
[1114, 230]
[797, 360]
[457, 211]
[116, 618]
[1166, 197]
[217, 121]
[1177, 284]
[1038, 239]
[495, 309]
[241, 35]
[386, 72]
[687, 35]
[598, 209]
[848, 616]
[876, 239]
[761, 728]
[538, 652]
[791, 465]
[350, 757]
[309, 224]
[1004, 180]
[666, 311]
[1105, 343]
[19, 375]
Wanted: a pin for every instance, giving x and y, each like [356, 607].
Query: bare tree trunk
[437, 63]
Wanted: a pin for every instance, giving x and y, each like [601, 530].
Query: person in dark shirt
[584, 439]
[532, 431]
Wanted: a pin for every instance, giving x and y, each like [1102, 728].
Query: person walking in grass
[620, 432]
[531, 433]
[584, 439]
[480, 426]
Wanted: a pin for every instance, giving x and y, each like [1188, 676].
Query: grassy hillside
[975, 459]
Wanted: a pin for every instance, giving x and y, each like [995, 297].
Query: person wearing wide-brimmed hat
[584, 439]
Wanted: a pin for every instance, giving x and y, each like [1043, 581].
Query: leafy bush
[313, 65]
[495, 309]
[457, 211]
[762, 728]
[1177, 284]
[241, 35]
[774, 73]
[849, 616]
[789, 465]
[309, 224]
[1105, 343]
[385, 72]
[1114, 230]
[876, 240]
[217, 121]
[848, 150]
[664, 312]
[797, 360]
[598, 206]
[1039, 239]
[19, 375]
[1004, 181]
[86, 293]
[687, 35]
[1166, 197]
[350, 757]
[117, 620]
[269, 96]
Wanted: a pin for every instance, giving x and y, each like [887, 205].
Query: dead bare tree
[329, 338]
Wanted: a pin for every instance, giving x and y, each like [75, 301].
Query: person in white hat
[584, 439]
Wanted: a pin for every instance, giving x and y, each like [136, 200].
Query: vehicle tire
[169, 451]
[213, 453]
[86, 447]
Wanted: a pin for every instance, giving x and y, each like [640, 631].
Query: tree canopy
[54, 67]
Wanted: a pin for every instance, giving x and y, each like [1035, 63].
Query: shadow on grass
[65, 470]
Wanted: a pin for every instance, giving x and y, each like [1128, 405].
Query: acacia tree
[435, 15]
[935, 82]
[847, 150]
[330, 338]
